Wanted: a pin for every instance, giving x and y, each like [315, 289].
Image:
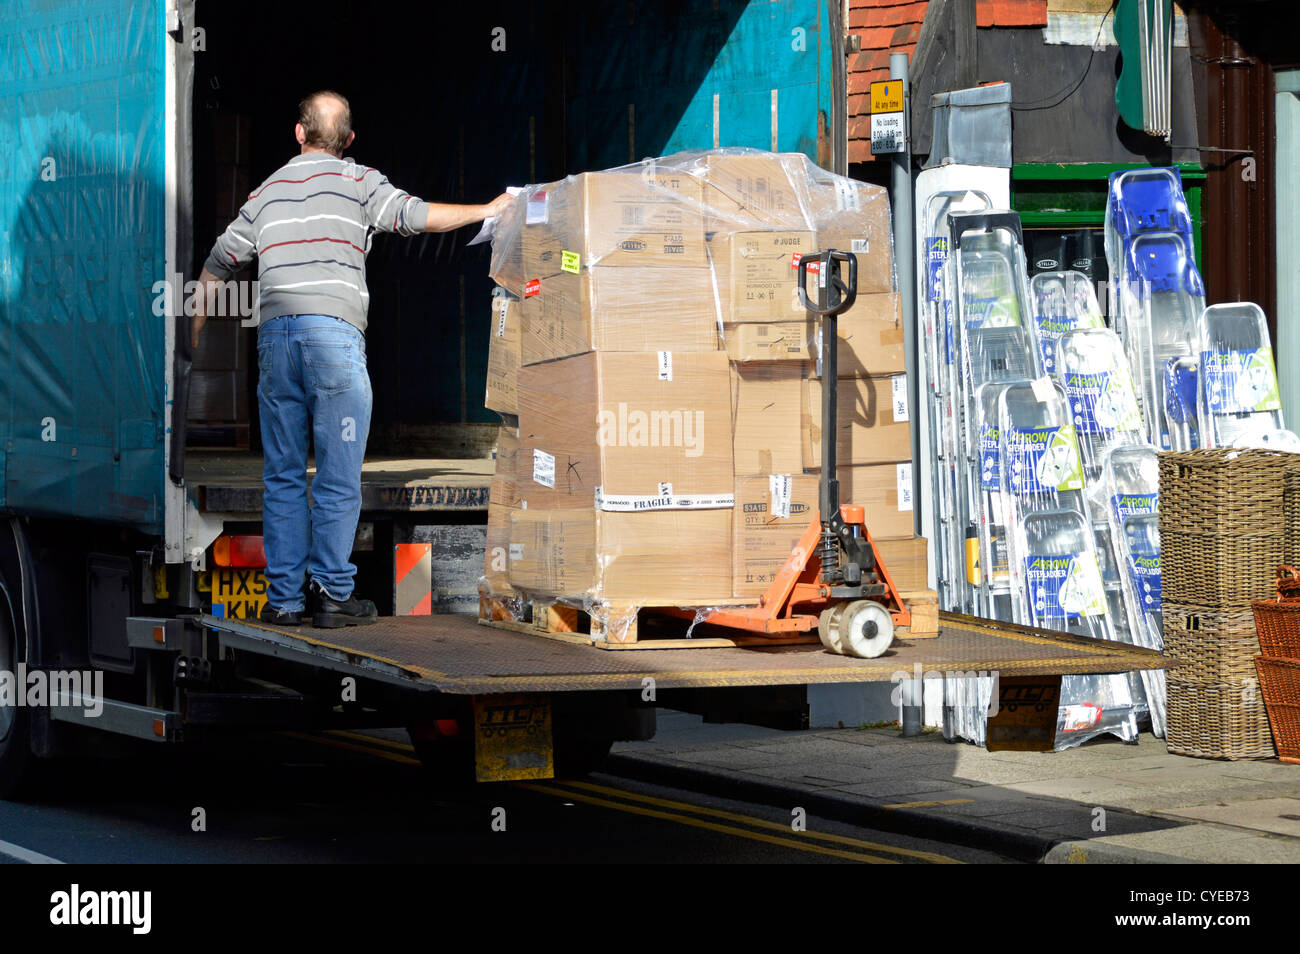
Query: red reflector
[238, 550]
[448, 727]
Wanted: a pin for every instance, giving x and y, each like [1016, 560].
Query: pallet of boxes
[659, 389]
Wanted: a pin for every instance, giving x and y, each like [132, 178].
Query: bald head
[325, 122]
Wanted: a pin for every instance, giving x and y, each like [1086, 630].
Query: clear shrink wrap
[662, 358]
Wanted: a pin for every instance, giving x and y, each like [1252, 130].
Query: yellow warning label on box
[570, 261]
[887, 96]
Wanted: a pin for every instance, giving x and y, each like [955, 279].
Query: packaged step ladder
[941, 372]
[1055, 570]
[1238, 403]
[1131, 491]
[994, 347]
[1093, 372]
[940, 191]
[1157, 292]
[1063, 302]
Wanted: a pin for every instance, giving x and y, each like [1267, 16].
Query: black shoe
[332, 614]
[275, 617]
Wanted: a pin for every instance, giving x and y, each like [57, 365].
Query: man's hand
[447, 218]
[499, 205]
[201, 306]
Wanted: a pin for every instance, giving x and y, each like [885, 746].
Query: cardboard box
[885, 490]
[623, 308]
[757, 273]
[504, 488]
[770, 341]
[766, 428]
[658, 558]
[905, 559]
[650, 430]
[871, 337]
[496, 562]
[854, 217]
[873, 426]
[761, 190]
[507, 263]
[772, 512]
[614, 218]
[503, 357]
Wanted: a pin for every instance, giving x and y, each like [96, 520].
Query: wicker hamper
[1216, 720]
[1211, 645]
[1223, 528]
[1280, 681]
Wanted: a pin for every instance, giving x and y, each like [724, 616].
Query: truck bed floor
[455, 654]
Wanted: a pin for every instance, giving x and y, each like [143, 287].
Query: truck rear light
[238, 550]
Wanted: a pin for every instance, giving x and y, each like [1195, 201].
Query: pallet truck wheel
[865, 629]
[828, 628]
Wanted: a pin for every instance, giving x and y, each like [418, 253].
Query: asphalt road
[350, 797]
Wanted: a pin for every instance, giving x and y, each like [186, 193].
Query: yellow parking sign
[887, 96]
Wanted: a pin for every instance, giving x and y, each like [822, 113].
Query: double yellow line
[683, 813]
[734, 824]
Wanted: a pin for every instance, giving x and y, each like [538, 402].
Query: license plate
[238, 593]
[512, 738]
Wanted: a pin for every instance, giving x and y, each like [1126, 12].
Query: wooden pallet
[621, 626]
[616, 627]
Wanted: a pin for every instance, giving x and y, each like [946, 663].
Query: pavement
[1103, 802]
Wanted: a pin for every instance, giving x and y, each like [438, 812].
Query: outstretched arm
[446, 218]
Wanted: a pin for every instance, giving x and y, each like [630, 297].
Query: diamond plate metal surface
[456, 654]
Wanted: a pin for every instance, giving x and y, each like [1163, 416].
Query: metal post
[905, 262]
[905, 266]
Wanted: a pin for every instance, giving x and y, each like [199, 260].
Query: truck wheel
[16, 759]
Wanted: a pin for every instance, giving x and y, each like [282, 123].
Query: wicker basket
[1216, 720]
[1291, 507]
[1278, 624]
[1210, 645]
[1222, 525]
[1280, 681]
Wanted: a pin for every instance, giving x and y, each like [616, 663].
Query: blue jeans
[311, 372]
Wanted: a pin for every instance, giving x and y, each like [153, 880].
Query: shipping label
[903, 476]
[537, 211]
[570, 262]
[898, 391]
[1240, 381]
[781, 487]
[543, 468]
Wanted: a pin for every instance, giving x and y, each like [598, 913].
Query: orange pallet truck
[834, 579]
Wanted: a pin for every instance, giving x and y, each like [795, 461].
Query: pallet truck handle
[834, 295]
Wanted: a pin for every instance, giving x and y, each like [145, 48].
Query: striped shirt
[310, 225]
